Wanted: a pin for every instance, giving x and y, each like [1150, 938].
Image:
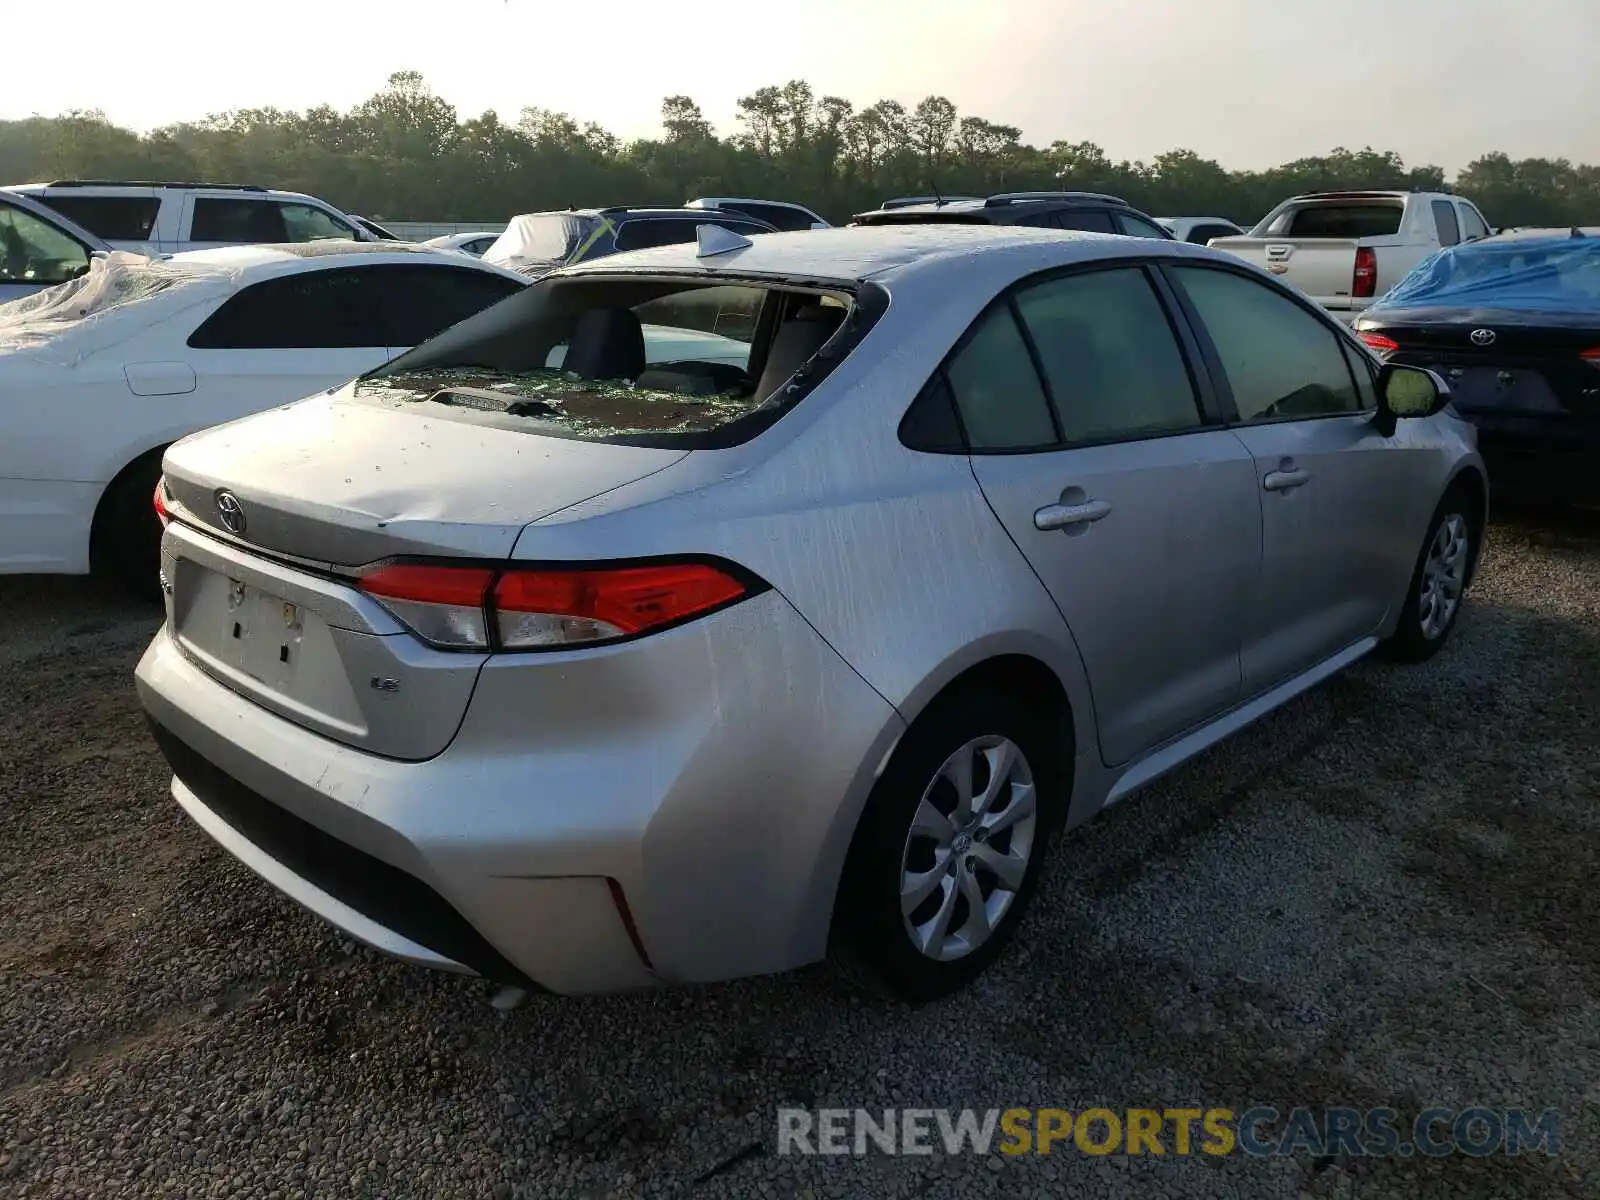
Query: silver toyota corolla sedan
[535, 656]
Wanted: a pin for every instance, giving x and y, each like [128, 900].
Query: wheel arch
[1471, 482]
[99, 524]
[989, 664]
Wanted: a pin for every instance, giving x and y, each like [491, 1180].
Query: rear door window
[422, 301]
[645, 233]
[1136, 226]
[779, 216]
[1444, 216]
[309, 310]
[236, 221]
[114, 218]
[996, 387]
[1090, 220]
[1109, 355]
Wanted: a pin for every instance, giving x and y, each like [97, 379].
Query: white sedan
[102, 373]
[468, 243]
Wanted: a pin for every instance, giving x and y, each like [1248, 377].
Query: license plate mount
[253, 631]
[1489, 388]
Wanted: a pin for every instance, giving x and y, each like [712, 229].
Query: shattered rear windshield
[550, 401]
[628, 359]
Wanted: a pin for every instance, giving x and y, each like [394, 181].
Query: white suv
[169, 217]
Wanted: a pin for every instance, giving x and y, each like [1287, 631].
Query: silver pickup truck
[1345, 249]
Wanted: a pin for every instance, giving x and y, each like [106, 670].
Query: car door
[1333, 490]
[1088, 437]
[421, 301]
[293, 336]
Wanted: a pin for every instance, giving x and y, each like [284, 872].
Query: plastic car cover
[1557, 274]
[120, 295]
[546, 240]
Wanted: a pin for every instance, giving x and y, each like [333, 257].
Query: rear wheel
[948, 852]
[1438, 585]
[125, 543]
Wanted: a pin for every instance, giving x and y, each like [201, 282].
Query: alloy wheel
[967, 853]
[1444, 575]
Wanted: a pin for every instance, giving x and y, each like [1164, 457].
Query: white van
[164, 218]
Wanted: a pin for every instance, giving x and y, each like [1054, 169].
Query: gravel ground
[1382, 895]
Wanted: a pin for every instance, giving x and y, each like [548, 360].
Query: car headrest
[797, 339]
[608, 343]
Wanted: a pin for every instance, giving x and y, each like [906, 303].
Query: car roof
[627, 212]
[854, 253]
[704, 202]
[27, 204]
[268, 259]
[1004, 202]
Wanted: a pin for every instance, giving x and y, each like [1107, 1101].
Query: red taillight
[160, 502]
[1376, 341]
[535, 608]
[549, 608]
[1591, 356]
[444, 606]
[1365, 281]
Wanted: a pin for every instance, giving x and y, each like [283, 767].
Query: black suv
[1087, 211]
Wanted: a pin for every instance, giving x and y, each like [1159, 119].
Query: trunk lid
[1500, 361]
[340, 482]
[260, 587]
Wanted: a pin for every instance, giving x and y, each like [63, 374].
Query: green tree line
[407, 154]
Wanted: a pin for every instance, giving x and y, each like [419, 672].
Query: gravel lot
[1384, 895]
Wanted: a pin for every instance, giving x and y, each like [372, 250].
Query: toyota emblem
[1482, 337]
[231, 512]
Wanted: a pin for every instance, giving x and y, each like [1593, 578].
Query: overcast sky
[1248, 82]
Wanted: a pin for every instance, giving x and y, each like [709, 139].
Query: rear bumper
[1549, 457]
[722, 823]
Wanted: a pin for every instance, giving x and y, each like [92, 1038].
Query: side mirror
[1408, 392]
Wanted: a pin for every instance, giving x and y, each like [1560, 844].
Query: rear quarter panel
[892, 555]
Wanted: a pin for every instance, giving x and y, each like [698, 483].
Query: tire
[872, 942]
[125, 544]
[1443, 568]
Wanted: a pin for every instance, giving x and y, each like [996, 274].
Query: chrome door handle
[1065, 516]
[1285, 481]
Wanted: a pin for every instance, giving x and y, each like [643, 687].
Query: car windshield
[609, 359]
[539, 238]
[1546, 275]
